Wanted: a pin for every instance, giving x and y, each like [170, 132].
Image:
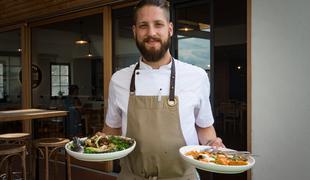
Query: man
[161, 102]
[72, 103]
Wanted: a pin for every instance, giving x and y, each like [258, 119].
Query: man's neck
[163, 61]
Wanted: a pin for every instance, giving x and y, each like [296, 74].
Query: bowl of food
[100, 148]
[222, 160]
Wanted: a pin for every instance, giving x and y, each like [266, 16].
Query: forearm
[207, 136]
[111, 131]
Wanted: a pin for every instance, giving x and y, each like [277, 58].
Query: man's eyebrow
[147, 22]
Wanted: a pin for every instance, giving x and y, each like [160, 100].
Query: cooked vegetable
[103, 144]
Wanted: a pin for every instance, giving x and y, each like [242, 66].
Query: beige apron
[155, 125]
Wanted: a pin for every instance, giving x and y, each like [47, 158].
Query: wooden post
[26, 73]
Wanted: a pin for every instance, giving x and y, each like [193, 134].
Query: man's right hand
[109, 131]
[100, 133]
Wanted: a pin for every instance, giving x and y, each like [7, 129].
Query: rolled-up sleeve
[204, 116]
[113, 117]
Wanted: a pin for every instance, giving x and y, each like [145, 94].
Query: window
[1, 82]
[60, 79]
[193, 30]
[10, 73]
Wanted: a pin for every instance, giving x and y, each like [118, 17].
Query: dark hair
[163, 4]
[73, 88]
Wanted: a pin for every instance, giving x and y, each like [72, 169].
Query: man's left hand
[217, 142]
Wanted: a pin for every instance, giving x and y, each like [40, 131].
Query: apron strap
[172, 82]
[132, 82]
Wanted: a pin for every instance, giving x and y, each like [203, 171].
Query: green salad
[103, 144]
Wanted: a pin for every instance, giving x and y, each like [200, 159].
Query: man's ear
[134, 30]
[170, 29]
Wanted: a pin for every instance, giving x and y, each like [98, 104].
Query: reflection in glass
[125, 52]
[64, 65]
[10, 85]
[10, 66]
[193, 51]
[193, 34]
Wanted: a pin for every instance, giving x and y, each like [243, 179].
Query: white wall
[281, 89]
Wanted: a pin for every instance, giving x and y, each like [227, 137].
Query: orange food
[192, 153]
[218, 158]
[237, 163]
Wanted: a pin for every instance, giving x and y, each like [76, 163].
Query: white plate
[212, 167]
[98, 157]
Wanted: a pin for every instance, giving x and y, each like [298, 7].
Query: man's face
[152, 33]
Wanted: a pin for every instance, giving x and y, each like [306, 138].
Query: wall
[280, 89]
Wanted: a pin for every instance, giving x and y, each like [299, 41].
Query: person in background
[160, 102]
[73, 104]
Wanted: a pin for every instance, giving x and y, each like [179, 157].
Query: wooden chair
[7, 152]
[47, 147]
[21, 139]
[230, 116]
[15, 138]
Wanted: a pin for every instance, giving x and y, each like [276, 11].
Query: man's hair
[163, 4]
[73, 88]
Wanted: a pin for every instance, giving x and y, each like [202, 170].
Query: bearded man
[160, 102]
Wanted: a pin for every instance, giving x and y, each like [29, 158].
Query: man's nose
[151, 31]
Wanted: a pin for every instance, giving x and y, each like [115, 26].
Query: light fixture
[186, 25]
[185, 29]
[82, 39]
[19, 49]
[204, 27]
[90, 54]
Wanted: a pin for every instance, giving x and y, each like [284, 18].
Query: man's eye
[159, 25]
[143, 26]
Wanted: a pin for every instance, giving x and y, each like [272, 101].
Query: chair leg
[10, 177]
[24, 164]
[68, 162]
[46, 163]
[55, 164]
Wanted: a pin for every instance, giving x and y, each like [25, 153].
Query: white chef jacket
[191, 86]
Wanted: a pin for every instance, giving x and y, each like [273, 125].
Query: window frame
[2, 87]
[69, 77]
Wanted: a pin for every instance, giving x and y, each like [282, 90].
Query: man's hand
[207, 136]
[100, 133]
[217, 142]
[109, 131]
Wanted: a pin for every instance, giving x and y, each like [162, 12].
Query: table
[29, 114]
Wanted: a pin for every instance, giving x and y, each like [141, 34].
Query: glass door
[69, 55]
[10, 82]
[193, 33]
[211, 35]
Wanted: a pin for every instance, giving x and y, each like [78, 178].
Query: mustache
[151, 38]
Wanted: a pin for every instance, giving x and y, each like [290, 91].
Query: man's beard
[152, 54]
